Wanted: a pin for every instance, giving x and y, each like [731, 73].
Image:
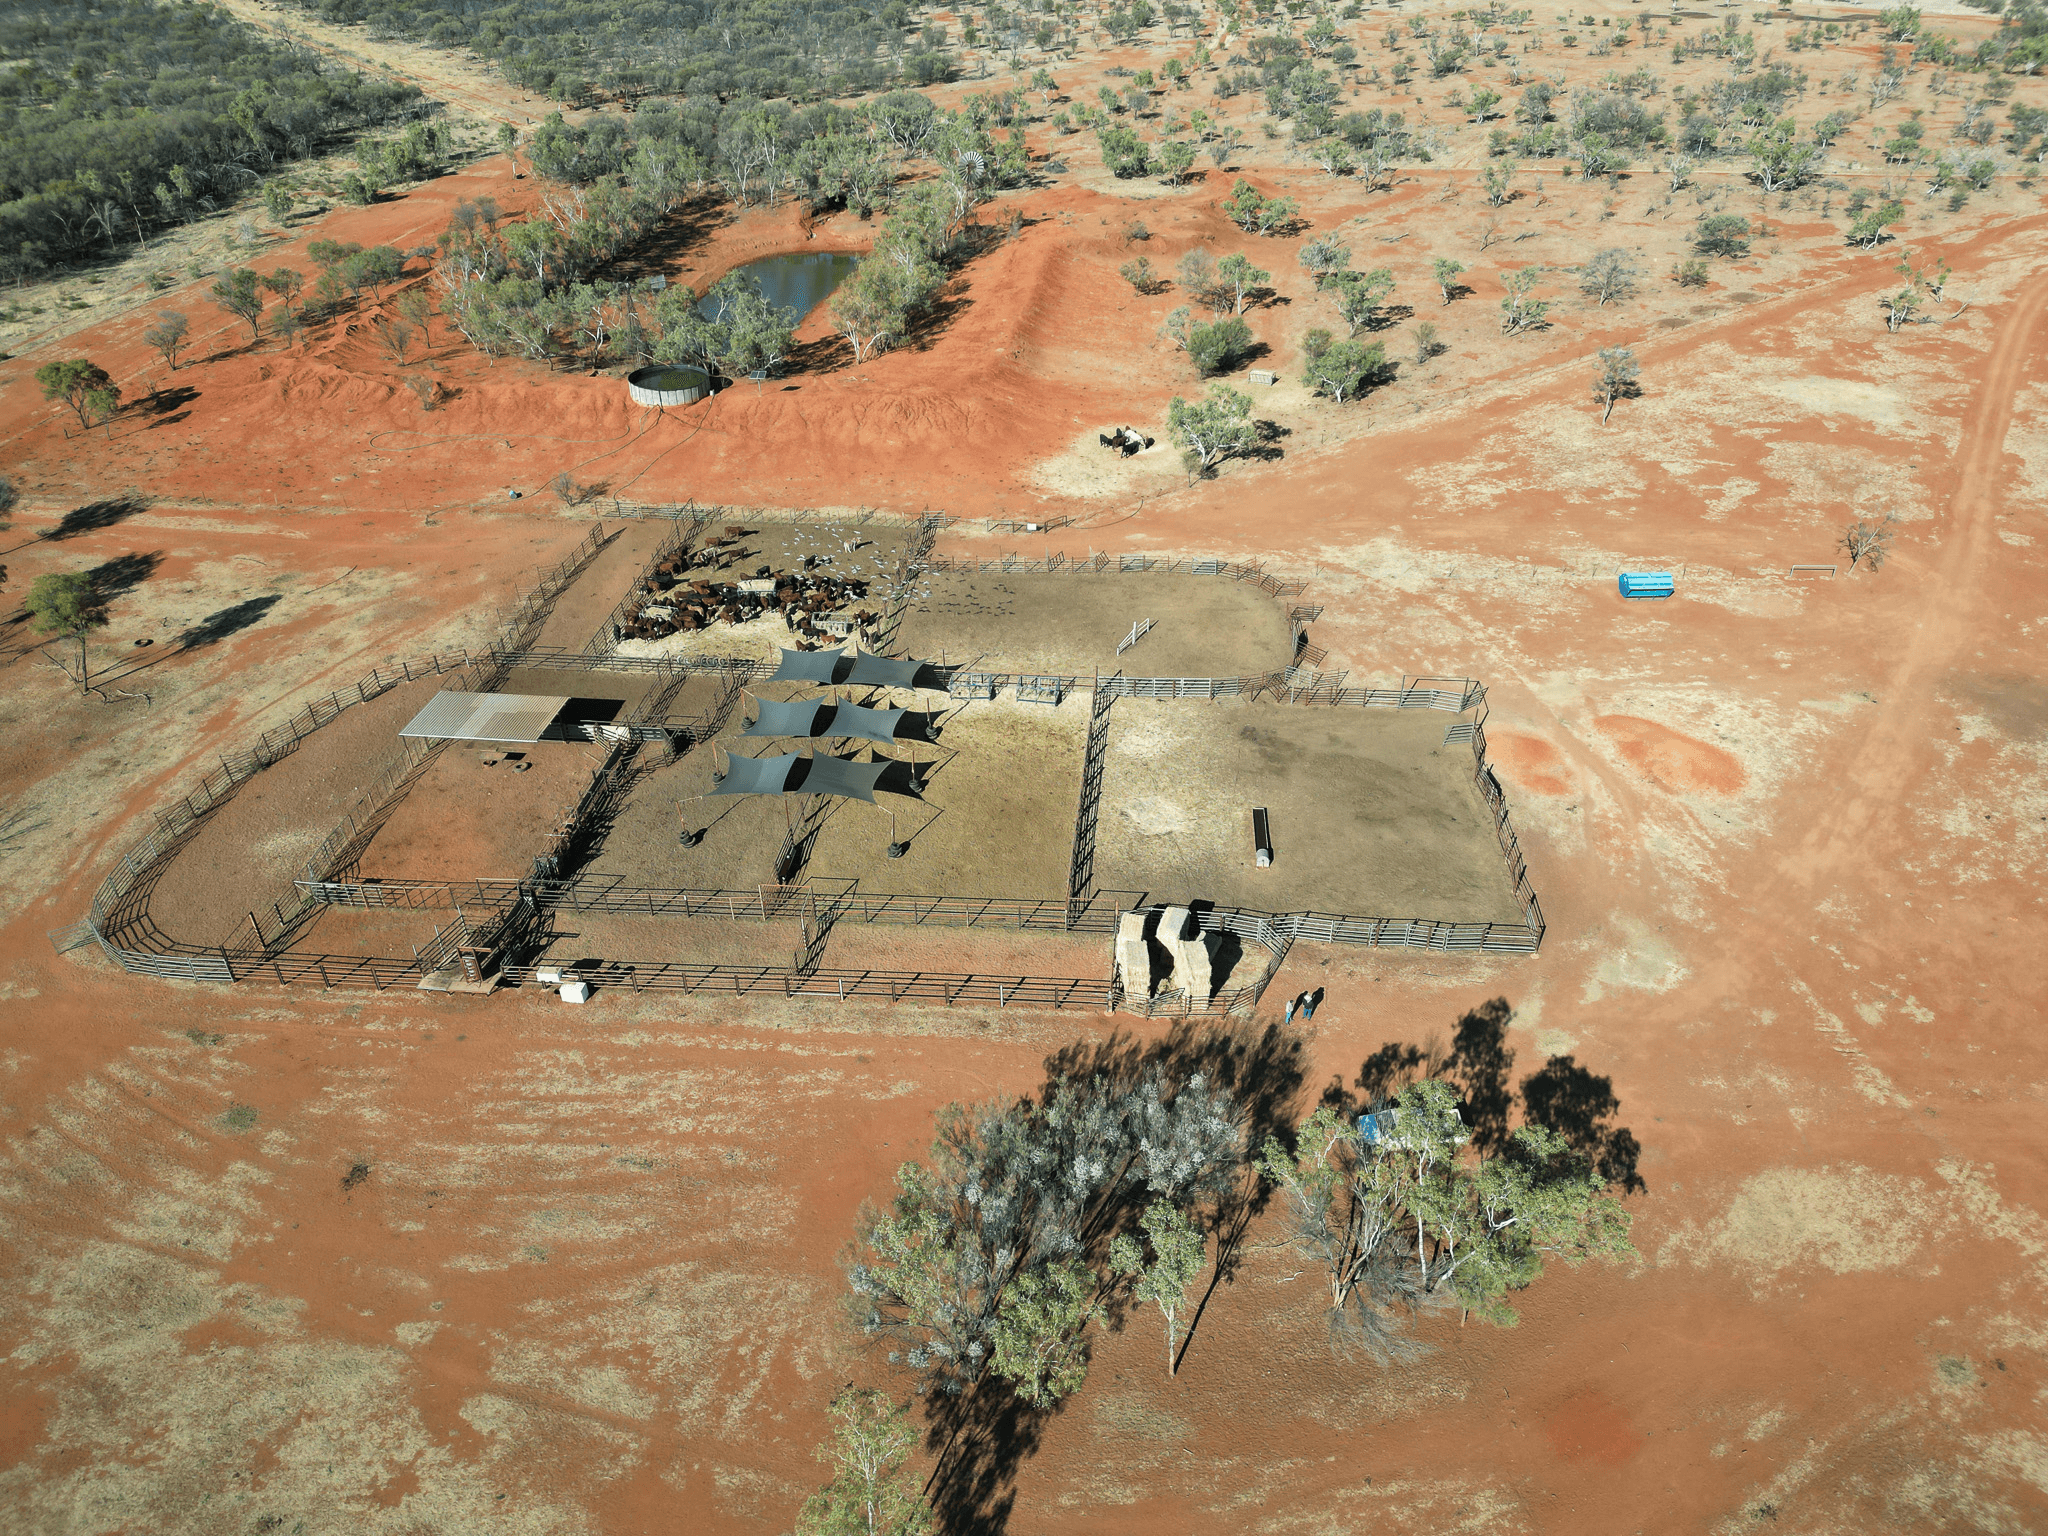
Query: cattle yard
[1064, 742]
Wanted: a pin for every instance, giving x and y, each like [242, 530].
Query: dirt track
[1895, 739]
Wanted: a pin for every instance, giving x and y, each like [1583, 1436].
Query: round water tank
[663, 385]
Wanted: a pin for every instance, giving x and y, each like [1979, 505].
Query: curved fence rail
[119, 906]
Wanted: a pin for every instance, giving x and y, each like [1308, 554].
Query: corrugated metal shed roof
[486, 716]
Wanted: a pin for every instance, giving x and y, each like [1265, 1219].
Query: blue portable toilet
[1377, 1127]
[1656, 584]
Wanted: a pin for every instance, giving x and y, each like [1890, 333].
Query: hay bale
[1133, 955]
[1190, 950]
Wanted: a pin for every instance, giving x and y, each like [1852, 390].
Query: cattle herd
[671, 599]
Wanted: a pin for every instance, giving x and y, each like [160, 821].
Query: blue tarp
[1377, 1128]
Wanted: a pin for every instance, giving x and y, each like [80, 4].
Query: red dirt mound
[1673, 761]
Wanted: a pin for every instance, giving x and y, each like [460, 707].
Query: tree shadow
[1479, 1062]
[1579, 1105]
[1385, 1073]
[828, 354]
[1268, 448]
[121, 575]
[1561, 1096]
[1387, 316]
[938, 317]
[680, 234]
[1387, 373]
[160, 403]
[219, 625]
[95, 515]
[980, 1438]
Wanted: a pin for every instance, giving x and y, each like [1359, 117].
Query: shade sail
[863, 670]
[812, 718]
[807, 666]
[880, 672]
[867, 724]
[798, 719]
[486, 716]
[794, 775]
[840, 776]
[756, 775]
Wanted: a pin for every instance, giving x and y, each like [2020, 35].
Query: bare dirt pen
[473, 816]
[979, 951]
[1070, 625]
[741, 832]
[391, 933]
[247, 853]
[871, 550]
[628, 550]
[997, 815]
[1373, 816]
[996, 819]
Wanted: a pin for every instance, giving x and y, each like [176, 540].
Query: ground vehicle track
[1896, 734]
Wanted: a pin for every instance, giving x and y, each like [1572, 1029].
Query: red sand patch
[1670, 760]
[1529, 762]
[1587, 1427]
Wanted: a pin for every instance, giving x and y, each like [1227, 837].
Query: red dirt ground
[1671, 761]
[399, 1262]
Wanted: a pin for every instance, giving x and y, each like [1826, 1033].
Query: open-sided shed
[520, 717]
